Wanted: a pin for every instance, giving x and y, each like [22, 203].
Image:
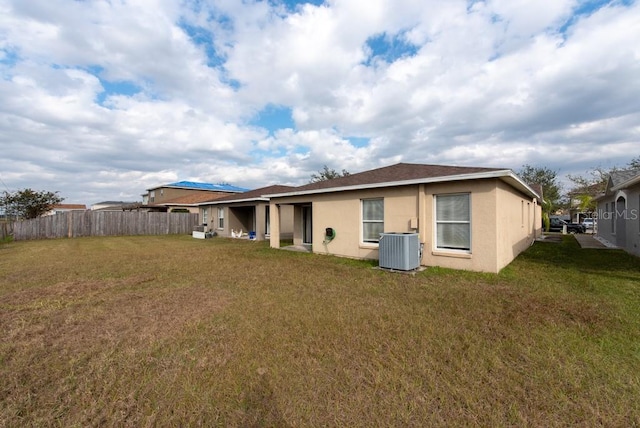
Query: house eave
[516, 182]
[505, 175]
[219, 202]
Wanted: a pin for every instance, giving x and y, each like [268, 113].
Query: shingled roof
[624, 178]
[251, 195]
[407, 173]
[193, 199]
[619, 180]
[193, 185]
[69, 207]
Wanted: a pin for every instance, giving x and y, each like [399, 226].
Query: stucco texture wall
[342, 212]
[497, 230]
[516, 223]
[483, 227]
[620, 225]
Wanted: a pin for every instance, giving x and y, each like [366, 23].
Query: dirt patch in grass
[127, 311]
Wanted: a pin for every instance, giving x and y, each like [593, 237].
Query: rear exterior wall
[497, 230]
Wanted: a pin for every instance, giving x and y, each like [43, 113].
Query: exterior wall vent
[400, 251]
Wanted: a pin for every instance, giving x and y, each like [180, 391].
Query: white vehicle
[590, 223]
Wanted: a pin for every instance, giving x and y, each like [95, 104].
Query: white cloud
[493, 83]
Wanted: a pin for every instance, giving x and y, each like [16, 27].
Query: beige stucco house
[64, 208]
[468, 218]
[185, 196]
[245, 213]
[618, 211]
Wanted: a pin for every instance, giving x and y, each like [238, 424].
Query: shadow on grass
[261, 407]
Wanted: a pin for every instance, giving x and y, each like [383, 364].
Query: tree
[587, 187]
[594, 183]
[548, 180]
[327, 174]
[28, 203]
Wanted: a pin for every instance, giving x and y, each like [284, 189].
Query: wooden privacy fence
[104, 223]
[5, 230]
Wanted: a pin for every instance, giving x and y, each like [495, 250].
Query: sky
[103, 99]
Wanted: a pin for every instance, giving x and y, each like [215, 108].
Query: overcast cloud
[101, 100]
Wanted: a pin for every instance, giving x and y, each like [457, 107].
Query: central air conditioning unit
[399, 251]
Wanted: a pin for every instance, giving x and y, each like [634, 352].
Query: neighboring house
[246, 212]
[190, 203]
[64, 208]
[581, 202]
[468, 218]
[619, 211]
[185, 195]
[115, 206]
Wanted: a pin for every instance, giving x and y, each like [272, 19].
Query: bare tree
[587, 187]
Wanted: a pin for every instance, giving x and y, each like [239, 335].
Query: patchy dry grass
[172, 331]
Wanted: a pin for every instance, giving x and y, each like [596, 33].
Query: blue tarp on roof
[207, 186]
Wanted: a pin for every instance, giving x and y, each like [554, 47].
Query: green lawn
[175, 331]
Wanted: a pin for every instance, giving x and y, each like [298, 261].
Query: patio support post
[422, 218]
[274, 213]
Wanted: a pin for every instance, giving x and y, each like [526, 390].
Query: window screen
[372, 219]
[220, 218]
[453, 222]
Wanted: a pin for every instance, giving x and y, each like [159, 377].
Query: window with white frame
[220, 218]
[205, 212]
[372, 220]
[453, 222]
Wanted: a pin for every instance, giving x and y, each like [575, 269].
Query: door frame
[307, 224]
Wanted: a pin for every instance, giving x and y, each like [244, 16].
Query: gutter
[503, 174]
[232, 201]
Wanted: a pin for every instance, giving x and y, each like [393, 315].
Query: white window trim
[362, 222]
[220, 218]
[440, 250]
